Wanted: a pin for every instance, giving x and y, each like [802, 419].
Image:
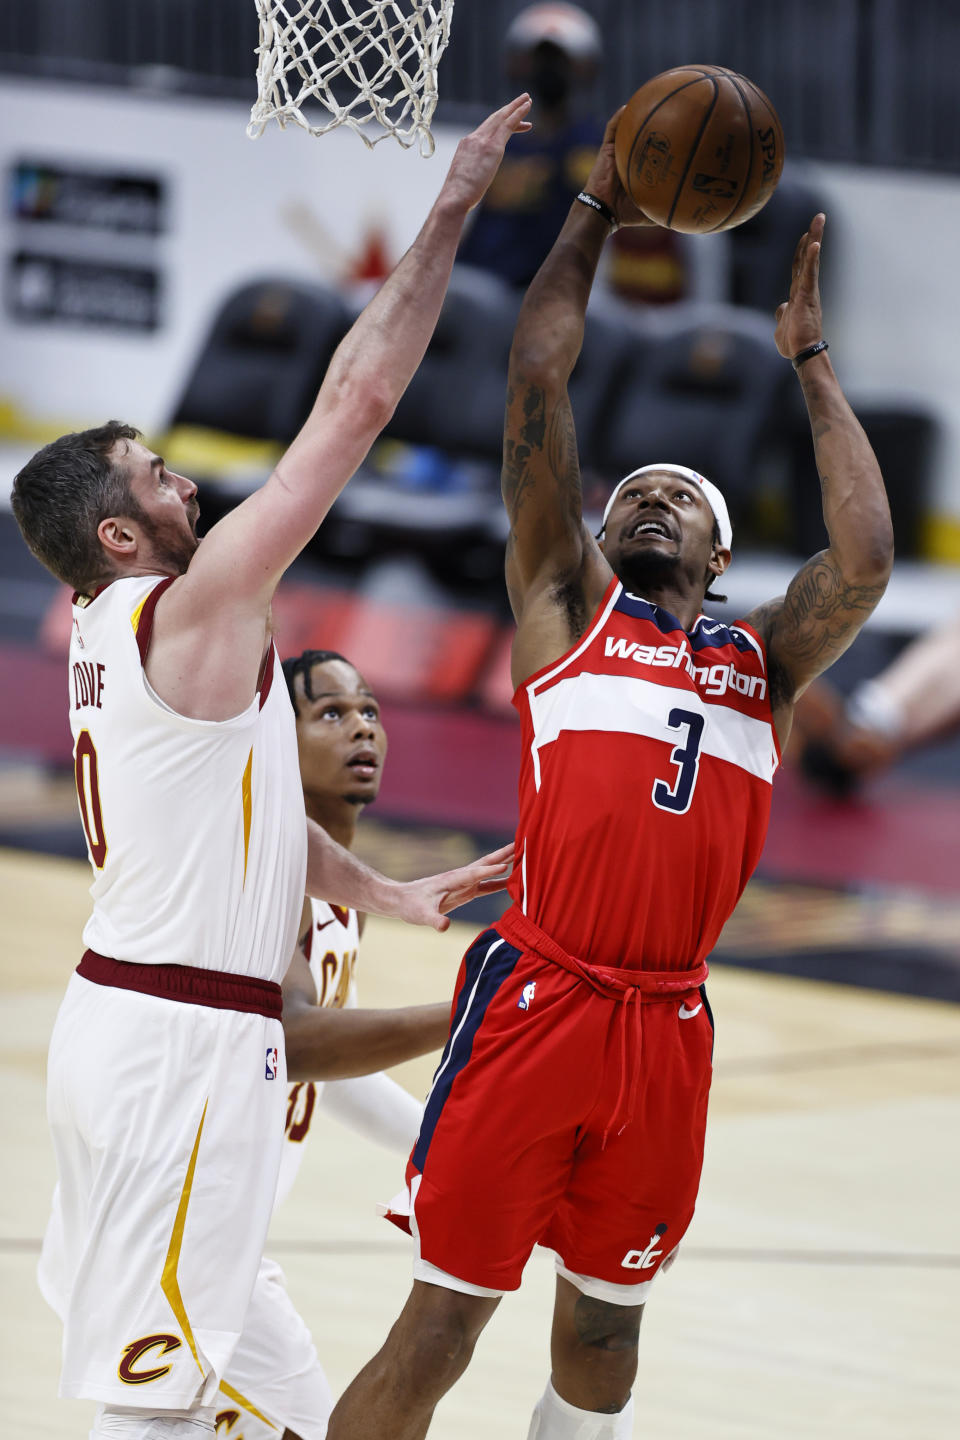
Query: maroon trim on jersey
[79, 595]
[525, 934]
[266, 674]
[145, 623]
[216, 989]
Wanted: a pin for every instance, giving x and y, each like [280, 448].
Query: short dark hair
[303, 664]
[62, 494]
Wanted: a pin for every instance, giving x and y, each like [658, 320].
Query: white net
[368, 62]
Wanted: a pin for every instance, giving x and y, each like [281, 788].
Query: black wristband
[809, 353]
[593, 202]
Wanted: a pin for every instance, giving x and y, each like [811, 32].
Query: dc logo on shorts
[526, 998]
[647, 1258]
[273, 1060]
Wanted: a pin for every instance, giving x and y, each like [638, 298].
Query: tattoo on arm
[813, 624]
[564, 457]
[525, 434]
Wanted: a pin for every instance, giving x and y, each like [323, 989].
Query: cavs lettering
[331, 949]
[225, 1421]
[139, 1364]
[331, 946]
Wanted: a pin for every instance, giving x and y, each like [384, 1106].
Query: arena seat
[455, 400]
[761, 250]
[904, 437]
[705, 388]
[262, 361]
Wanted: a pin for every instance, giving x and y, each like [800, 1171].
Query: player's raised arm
[366, 378]
[541, 469]
[328, 1043]
[832, 595]
[334, 874]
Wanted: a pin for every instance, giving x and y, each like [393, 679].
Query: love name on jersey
[88, 684]
[716, 679]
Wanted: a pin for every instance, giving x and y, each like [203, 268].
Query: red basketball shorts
[560, 1117]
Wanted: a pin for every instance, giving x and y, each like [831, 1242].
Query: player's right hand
[604, 179]
[478, 155]
[426, 902]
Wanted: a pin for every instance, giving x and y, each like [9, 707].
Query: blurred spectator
[554, 51]
[914, 700]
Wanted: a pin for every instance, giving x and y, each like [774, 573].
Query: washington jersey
[195, 828]
[647, 768]
[331, 948]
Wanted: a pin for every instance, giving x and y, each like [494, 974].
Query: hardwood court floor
[817, 1291]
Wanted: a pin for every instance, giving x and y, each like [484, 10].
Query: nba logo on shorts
[273, 1060]
[526, 998]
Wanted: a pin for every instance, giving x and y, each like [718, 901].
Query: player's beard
[648, 570]
[172, 549]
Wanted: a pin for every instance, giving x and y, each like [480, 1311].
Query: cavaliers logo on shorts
[138, 1350]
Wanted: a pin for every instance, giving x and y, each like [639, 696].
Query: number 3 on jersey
[686, 757]
[88, 793]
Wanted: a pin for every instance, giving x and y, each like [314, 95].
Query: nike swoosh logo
[686, 1014]
[324, 925]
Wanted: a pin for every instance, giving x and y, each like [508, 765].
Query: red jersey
[648, 761]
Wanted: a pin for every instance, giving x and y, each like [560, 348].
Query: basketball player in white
[166, 1082]
[275, 1386]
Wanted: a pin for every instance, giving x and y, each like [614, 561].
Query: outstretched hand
[799, 319]
[426, 902]
[477, 158]
[604, 179]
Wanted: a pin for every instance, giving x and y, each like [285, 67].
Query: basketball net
[365, 61]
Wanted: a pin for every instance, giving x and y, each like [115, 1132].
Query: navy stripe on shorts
[488, 963]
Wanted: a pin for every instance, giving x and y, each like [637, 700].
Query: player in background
[166, 1080]
[275, 1384]
[914, 701]
[570, 1103]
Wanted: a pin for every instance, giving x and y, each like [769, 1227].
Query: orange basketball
[699, 148]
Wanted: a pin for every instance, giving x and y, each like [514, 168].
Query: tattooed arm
[831, 596]
[555, 571]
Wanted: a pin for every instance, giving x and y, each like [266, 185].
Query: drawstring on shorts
[627, 987]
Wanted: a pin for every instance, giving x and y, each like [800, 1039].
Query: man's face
[660, 529]
[166, 509]
[341, 741]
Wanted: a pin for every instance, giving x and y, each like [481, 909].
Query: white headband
[711, 494]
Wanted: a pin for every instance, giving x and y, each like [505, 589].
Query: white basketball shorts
[167, 1122]
[274, 1381]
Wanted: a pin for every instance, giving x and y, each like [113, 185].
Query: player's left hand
[426, 902]
[604, 179]
[799, 319]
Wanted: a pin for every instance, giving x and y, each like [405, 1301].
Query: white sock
[871, 708]
[555, 1419]
[115, 1422]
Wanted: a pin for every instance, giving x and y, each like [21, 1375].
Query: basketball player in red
[166, 1074]
[569, 1107]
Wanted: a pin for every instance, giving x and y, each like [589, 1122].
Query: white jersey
[275, 1382]
[195, 829]
[331, 948]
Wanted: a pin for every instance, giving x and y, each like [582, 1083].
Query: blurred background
[161, 267]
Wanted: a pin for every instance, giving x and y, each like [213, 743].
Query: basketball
[699, 148]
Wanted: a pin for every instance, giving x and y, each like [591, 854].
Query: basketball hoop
[368, 62]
